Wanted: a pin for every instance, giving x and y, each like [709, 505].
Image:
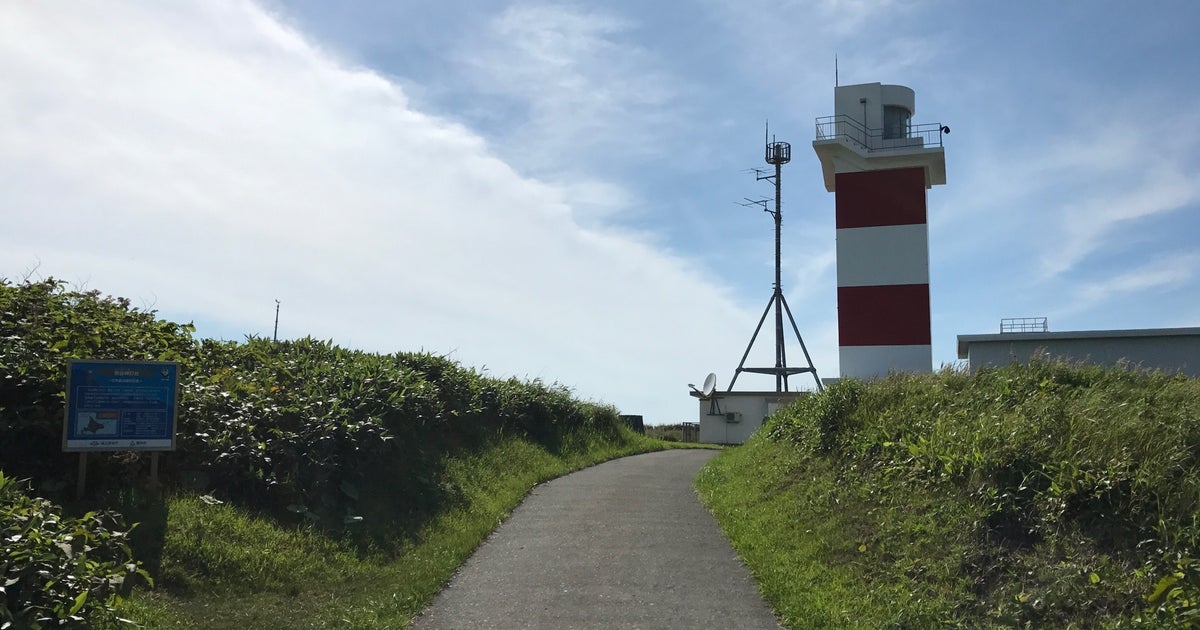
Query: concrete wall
[750, 409]
[1167, 349]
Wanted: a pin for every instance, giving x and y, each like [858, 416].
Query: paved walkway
[625, 544]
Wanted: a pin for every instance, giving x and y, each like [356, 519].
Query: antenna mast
[777, 154]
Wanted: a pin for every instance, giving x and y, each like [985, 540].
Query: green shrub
[300, 429]
[353, 450]
[42, 326]
[817, 422]
[1070, 470]
[307, 430]
[57, 570]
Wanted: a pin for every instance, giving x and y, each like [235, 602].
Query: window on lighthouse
[895, 122]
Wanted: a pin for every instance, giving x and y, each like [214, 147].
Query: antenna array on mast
[776, 154]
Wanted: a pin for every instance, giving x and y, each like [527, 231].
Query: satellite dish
[710, 384]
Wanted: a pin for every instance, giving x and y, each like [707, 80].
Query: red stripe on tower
[877, 198]
[896, 315]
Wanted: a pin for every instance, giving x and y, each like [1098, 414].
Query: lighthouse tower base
[883, 273]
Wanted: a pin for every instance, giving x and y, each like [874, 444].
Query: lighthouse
[879, 166]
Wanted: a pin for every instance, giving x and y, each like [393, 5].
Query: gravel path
[625, 544]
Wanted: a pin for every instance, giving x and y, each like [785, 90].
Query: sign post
[120, 406]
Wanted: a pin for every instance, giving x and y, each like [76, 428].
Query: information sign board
[121, 406]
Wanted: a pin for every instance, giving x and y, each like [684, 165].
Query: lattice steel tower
[777, 154]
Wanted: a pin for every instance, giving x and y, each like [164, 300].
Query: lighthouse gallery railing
[858, 136]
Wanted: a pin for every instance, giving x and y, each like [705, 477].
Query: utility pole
[275, 335]
[779, 153]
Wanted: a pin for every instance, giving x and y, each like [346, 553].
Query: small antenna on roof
[835, 71]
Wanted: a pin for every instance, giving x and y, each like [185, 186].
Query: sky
[550, 190]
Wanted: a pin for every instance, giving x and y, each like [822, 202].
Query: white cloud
[1162, 274]
[1118, 176]
[848, 17]
[1090, 223]
[206, 154]
[580, 80]
[791, 45]
[1055, 198]
[813, 269]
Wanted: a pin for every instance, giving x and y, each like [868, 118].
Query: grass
[223, 567]
[1045, 496]
[809, 538]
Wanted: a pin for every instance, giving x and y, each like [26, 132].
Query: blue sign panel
[121, 405]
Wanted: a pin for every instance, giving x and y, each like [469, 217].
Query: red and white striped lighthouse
[879, 165]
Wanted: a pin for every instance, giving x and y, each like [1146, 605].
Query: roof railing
[1024, 325]
[862, 138]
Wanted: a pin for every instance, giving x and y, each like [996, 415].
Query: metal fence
[854, 133]
[1024, 325]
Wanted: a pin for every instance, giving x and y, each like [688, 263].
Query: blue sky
[549, 189]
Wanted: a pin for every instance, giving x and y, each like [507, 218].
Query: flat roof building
[1174, 350]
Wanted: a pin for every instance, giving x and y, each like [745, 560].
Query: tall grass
[1049, 494]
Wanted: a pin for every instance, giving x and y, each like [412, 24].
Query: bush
[1095, 468]
[58, 570]
[42, 326]
[302, 430]
[817, 422]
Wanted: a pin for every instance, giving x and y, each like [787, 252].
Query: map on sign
[121, 405]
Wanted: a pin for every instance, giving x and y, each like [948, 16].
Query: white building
[732, 417]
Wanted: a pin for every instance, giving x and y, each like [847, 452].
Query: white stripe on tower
[892, 254]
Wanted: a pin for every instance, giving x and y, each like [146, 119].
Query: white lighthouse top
[872, 129]
[866, 103]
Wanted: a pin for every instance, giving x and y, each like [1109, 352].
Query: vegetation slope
[1045, 496]
[313, 486]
